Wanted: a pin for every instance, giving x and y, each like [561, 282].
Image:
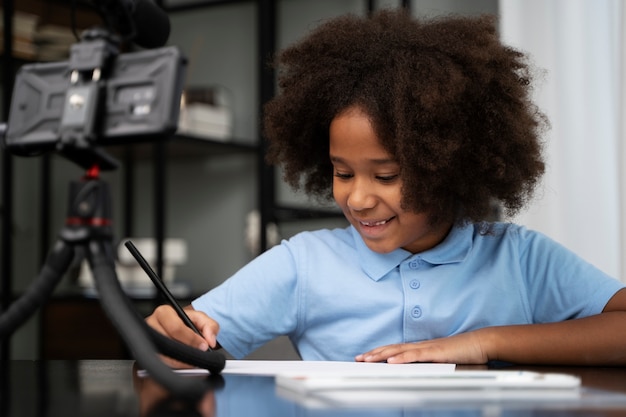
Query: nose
[361, 196]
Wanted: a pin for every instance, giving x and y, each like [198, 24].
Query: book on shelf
[24, 24]
[54, 42]
[23, 32]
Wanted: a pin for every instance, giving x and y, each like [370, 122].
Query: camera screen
[142, 101]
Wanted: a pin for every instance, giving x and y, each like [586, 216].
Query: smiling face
[367, 185]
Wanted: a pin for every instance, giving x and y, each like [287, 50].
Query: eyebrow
[381, 161]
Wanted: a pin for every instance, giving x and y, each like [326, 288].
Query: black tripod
[91, 115]
[88, 225]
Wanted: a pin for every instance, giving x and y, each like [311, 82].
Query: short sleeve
[256, 304]
[561, 285]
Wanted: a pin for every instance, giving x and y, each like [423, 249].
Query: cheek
[339, 193]
[392, 196]
[336, 192]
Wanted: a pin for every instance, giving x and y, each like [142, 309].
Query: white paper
[311, 368]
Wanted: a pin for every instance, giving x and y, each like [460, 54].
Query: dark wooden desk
[109, 388]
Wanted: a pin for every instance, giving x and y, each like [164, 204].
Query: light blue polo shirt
[335, 298]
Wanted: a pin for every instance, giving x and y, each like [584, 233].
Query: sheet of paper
[310, 368]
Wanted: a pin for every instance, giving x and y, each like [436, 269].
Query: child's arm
[595, 340]
[165, 320]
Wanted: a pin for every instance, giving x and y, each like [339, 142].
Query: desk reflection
[257, 396]
[154, 400]
[113, 389]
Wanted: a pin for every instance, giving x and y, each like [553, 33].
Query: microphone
[142, 21]
[152, 25]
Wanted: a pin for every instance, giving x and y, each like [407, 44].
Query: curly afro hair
[446, 98]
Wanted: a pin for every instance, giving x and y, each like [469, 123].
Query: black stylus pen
[161, 286]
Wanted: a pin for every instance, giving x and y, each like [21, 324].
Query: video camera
[100, 97]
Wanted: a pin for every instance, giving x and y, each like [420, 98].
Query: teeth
[374, 223]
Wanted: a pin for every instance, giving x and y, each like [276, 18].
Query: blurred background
[203, 202]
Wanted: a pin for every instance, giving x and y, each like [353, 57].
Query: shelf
[293, 213]
[188, 143]
[184, 5]
[186, 146]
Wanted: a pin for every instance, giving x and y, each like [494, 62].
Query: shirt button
[414, 284]
[414, 264]
[416, 312]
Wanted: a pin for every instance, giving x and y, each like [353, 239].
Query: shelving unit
[180, 146]
[269, 209]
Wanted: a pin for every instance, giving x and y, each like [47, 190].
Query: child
[415, 128]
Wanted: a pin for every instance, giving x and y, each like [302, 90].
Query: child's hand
[165, 320]
[464, 348]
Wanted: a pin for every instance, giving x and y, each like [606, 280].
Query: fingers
[437, 350]
[207, 326]
[165, 320]
[400, 353]
[464, 348]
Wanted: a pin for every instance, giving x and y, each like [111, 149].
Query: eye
[343, 176]
[387, 178]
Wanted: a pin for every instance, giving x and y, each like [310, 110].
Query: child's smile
[367, 186]
[374, 228]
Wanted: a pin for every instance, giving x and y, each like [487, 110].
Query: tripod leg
[132, 328]
[57, 263]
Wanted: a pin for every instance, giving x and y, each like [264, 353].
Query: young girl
[415, 128]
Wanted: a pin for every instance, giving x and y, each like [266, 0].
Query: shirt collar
[454, 248]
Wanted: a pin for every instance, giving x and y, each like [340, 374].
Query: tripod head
[90, 65]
